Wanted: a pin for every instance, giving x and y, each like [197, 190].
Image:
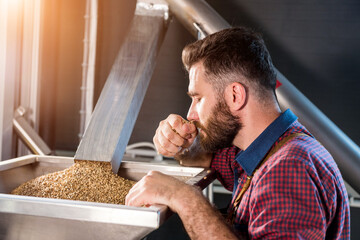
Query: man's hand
[173, 135]
[200, 219]
[157, 188]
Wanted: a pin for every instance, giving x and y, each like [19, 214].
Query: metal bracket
[201, 33]
[28, 135]
[153, 8]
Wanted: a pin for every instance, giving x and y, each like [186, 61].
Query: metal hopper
[23, 217]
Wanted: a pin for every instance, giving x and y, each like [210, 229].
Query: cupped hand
[173, 135]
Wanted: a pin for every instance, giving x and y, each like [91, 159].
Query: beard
[220, 129]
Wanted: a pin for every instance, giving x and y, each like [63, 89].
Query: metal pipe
[200, 19]
[342, 148]
[88, 65]
[84, 66]
[197, 17]
[28, 135]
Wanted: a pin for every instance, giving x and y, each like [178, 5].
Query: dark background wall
[315, 44]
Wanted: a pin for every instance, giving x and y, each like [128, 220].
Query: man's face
[217, 126]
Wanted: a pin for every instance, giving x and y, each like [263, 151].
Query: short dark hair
[232, 52]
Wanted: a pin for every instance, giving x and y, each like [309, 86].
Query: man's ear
[236, 96]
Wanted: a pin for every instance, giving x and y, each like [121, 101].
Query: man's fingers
[168, 138]
[172, 135]
[168, 144]
[162, 150]
[135, 197]
[190, 130]
[175, 120]
[143, 193]
[181, 126]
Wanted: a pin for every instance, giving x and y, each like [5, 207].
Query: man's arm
[178, 138]
[200, 219]
[194, 155]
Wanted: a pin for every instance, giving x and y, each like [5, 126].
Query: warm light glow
[10, 6]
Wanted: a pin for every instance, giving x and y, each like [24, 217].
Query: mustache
[198, 125]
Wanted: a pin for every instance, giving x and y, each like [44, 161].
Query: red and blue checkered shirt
[298, 193]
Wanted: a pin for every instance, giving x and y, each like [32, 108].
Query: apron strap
[231, 216]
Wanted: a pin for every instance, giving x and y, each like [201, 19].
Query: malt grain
[85, 181]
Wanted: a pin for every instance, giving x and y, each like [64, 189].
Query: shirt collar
[252, 156]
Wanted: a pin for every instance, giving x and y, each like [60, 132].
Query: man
[285, 184]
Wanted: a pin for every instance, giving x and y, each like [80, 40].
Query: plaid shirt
[298, 193]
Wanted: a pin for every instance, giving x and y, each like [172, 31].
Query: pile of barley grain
[85, 181]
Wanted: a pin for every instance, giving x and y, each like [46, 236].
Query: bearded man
[285, 184]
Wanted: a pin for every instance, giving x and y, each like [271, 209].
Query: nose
[192, 114]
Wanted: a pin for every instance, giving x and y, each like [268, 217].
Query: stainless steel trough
[23, 217]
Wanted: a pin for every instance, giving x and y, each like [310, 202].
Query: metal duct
[115, 113]
[201, 20]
